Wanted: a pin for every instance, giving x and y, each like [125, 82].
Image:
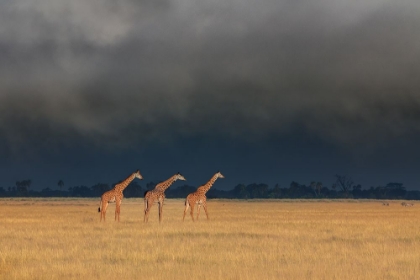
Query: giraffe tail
[186, 201]
[99, 208]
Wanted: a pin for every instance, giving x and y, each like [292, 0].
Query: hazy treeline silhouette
[344, 187]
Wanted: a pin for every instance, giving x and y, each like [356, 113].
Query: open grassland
[63, 239]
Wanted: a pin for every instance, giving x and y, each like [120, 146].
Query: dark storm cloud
[114, 73]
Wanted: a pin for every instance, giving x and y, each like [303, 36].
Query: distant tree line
[343, 187]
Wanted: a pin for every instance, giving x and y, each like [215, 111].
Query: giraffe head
[178, 176]
[138, 175]
[219, 175]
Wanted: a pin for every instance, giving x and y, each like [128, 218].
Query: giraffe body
[158, 195]
[116, 195]
[199, 197]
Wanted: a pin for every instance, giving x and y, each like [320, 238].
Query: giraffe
[158, 194]
[116, 195]
[199, 197]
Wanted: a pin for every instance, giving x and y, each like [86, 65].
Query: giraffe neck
[205, 188]
[165, 184]
[121, 186]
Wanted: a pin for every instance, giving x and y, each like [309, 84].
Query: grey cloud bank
[121, 74]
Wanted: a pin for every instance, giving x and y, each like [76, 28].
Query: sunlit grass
[63, 239]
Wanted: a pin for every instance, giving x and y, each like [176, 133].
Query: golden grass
[63, 239]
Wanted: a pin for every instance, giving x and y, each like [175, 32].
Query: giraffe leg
[192, 211]
[100, 204]
[198, 211]
[104, 207]
[100, 209]
[149, 206]
[117, 210]
[145, 215]
[159, 204]
[145, 209]
[160, 210]
[146, 212]
[205, 210]
[187, 205]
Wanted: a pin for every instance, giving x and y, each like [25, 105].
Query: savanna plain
[254, 239]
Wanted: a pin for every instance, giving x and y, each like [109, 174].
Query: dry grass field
[63, 239]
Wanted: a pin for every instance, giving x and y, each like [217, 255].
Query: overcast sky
[266, 91]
